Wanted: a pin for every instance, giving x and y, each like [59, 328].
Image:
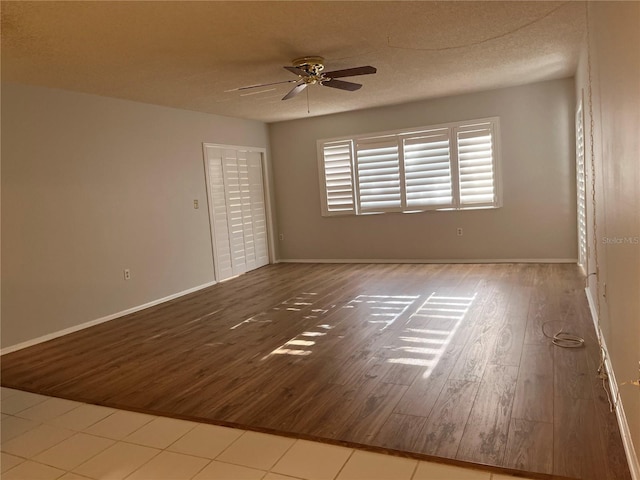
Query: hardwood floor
[444, 361]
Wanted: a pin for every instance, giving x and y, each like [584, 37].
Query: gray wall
[616, 114]
[537, 221]
[93, 185]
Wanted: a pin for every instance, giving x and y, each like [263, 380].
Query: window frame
[400, 136]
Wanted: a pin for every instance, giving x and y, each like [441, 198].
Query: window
[445, 167]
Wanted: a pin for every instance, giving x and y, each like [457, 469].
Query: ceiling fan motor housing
[312, 65]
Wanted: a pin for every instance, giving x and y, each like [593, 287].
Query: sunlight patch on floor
[431, 342]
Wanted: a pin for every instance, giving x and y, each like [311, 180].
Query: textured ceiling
[188, 54]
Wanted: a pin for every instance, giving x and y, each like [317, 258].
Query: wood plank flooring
[445, 361]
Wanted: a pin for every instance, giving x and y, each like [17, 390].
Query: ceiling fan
[310, 71]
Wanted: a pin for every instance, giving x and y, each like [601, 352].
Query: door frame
[266, 184]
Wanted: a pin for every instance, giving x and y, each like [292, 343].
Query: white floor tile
[160, 433]
[12, 426]
[376, 466]
[226, 471]
[119, 425]
[73, 476]
[507, 477]
[51, 408]
[56, 446]
[206, 441]
[117, 461]
[20, 401]
[256, 450]
[37, 440]
[429, 471]
[313, 461]
[169, 466]
[277, 476]
[9, 461]
[82, 417]
[73, 451]
[32, 471]
[7, 392]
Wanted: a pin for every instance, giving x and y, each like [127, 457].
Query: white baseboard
[625, 431]
[91, 323]
[422, 260]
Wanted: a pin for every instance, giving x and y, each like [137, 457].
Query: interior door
[247, 211]
[233, 196]
[258, 208]
[237, 210]
[218, 213]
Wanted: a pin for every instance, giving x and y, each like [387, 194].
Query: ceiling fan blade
[342, 85]
[260, 85]
[295, 91]
[297, 71]
[351, 72]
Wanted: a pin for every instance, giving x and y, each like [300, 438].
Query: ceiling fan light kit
[310, 71]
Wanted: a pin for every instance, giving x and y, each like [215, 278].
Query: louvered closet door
[258, 209]
[247, 217]
[218, 214]
[237, 210]
[233, 197]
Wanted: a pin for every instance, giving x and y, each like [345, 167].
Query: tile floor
[46, 438]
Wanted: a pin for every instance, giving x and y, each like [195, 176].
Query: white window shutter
[378, 174]
[476, 166]
[581, 188]
[443, 167]
[338, 177]
[427, 171]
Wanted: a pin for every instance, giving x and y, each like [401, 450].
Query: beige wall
[615, 38]
[537, 220]
[93, 185]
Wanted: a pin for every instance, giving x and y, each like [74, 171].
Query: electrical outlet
[281, 237]
[127, 274]
[195, 204]
[459, 231]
